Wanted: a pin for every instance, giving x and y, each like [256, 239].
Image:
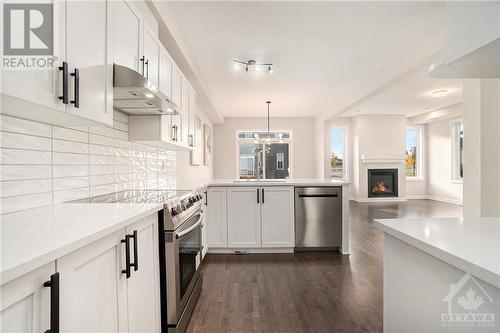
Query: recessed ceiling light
[149, 95]
[440, 93]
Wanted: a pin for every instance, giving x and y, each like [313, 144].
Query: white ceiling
[321, 50]
[410, 96]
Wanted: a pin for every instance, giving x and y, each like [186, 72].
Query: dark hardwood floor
[313, 292]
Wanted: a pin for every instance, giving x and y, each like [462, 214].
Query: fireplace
[382, 183]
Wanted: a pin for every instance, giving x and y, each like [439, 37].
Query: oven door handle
[191, 228]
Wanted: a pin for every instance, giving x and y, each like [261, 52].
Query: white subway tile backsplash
[120, 126]
[20, 172]
[22, 141]
[61, 184]
[122, 160]
[124, 169]
[69, 195]
[96, 170]
[105, 131]
[102, 189]
[69, 134]
[100, 140]
[120, 116]
[21, 126]
[17, 156]
[23, 187]
[102, 160]
[100, 150]
[124, 152]
[102, 180]
[70, 171]
[70, 159]
[12, 204]
[64, 146]
[121, 135]
[123, 144]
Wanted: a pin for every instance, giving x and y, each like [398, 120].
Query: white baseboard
[251, 250]
[435, 198]
[388, 199]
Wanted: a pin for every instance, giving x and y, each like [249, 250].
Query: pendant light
[269, 137]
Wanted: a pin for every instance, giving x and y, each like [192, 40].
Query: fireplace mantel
[382, 160]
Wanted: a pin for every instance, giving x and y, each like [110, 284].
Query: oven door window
[189, 249]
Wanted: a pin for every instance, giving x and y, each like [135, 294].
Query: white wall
[440, 184]
[303, 141]
[186, 172]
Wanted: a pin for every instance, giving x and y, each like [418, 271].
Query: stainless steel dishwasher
[318, 218]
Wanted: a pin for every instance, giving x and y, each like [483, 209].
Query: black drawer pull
[135, 264]
[76, 75]
[258, 195]
[53, 284]
[143, 59]
[262, 195]
[126, 271]
[64, 69]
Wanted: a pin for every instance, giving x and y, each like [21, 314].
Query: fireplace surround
[382, 183]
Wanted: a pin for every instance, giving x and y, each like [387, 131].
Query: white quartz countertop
[187, 185]
[32, 238]
[472, 245]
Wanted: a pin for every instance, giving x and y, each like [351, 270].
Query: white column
[481, 100]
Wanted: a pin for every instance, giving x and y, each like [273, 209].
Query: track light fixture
[252, 65]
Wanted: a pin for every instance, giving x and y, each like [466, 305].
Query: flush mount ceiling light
[440, 93]
[252, 65]
[268, 137]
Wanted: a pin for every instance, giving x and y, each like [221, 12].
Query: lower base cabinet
[25, 305]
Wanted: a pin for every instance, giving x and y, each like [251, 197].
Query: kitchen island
[441, 275]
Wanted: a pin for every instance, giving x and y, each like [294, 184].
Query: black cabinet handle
[143, 60]
[174, 133]
[258, 195]
[147, 69]
[206, 198]
[126, 271]
[53, 284]
[76, 75]
[135, 264]
[262, 195]
[64, 69]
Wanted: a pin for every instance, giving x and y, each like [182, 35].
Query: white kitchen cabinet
[216, 223]
[93, 289]
[277, 216]
[82, 46]
[204, 246]
[185, 112]
[151, 56]
[90, 63]
[165, 80]
[243, 217]
[192, 117]
[143, 286]
[127, 35]
[25, 305]
[176, 86]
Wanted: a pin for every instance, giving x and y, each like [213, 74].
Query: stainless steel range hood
[136, 95]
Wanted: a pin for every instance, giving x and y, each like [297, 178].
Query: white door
[176, 86]
[216, 223]
[143, 287]
[25, 305]
[243, 217]
[93, 289]
[127, 35]
[89, 45]
[185, 111]
[152, 57]
[277, 221]
[165, 82]
[41, 86]
[192, 116]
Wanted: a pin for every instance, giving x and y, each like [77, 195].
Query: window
[337, 153]
[413, 153]
[458, 150]
[272, 161]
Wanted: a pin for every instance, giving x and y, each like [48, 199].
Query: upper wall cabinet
[176, 85]
[192, 117]
[127, 35]
[78, 89]
[165, 80]
[151, 57]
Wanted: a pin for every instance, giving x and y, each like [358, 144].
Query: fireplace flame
[379, 188]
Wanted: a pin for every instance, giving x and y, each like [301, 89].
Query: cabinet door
[243, 217]
[89, 45]
[216, 223]
[152, 57]
[192, 117]
[143, 287]
[165, 84]
[204, 246]
[93, 290]
[127, 35]
[41, 86]
[185, 111]
[176, 86]
[25, 303]
[277, 213]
